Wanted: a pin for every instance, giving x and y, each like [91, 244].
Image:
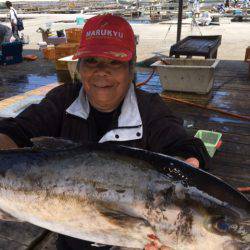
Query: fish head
[230, 232]
[194, 220]
[217, 225]
[200, 210]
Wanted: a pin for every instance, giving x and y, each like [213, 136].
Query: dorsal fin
[53, 143]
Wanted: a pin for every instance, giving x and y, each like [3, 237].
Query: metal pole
[179, 21]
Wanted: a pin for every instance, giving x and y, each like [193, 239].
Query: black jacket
[162, 131]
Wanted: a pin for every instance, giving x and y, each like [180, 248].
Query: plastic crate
[73, 35]
[65, 49]
[61, 65]
[211, 140]
[49, 53]
[186, 75]
[12, 53]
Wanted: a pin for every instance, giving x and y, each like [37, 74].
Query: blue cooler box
[237, 12]
[11, 53]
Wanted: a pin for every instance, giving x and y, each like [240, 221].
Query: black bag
[19, 24]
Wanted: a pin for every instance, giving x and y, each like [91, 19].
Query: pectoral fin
[122, 219]
[7, 217]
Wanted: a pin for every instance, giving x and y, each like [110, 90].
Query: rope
[243, 117]
[139, 84]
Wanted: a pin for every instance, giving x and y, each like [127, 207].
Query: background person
[13, 19]
[227, 3]
[245, 4]
[235, 3]
[196, 8]
[5, 34]
[104, 107]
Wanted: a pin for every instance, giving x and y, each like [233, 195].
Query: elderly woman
[105, 106]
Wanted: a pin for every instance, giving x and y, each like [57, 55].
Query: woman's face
[105, 82]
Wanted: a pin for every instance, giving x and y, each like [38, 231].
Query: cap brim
[116, 54]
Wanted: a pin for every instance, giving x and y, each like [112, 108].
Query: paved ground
[157, 37]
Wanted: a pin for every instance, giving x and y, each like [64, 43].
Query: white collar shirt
[129, 120]
[13, 15]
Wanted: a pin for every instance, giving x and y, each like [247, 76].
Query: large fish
[121, 196]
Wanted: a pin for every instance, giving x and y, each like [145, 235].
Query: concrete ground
[156, 37]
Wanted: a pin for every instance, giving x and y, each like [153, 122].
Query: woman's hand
[152, 246]
[193, 161]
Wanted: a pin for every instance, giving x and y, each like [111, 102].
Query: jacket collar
[129, 121]
[80, 107]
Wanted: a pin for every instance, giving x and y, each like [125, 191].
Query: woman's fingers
[193, 161]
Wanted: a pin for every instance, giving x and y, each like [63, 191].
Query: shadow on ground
[28, 75]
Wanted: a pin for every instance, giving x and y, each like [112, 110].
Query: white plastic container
[187, 75]
[72, 64]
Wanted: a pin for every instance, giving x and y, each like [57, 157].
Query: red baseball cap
[107, 36]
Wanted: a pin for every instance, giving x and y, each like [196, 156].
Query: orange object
[243, 189]
[65, 49]
[49, 53]
[62, 50]
[219, 144]
[73, 35]
[247, 54]
[247, 59]
[30, 57]
[61, 65]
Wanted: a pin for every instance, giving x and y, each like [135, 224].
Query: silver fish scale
[84, 175]
[104, 198]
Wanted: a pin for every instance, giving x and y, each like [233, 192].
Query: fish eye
[217, 224]
[221, 226]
